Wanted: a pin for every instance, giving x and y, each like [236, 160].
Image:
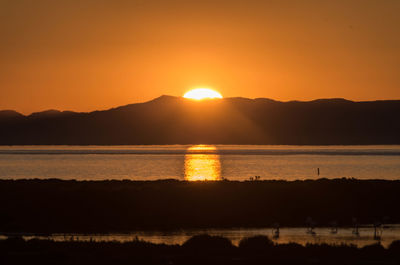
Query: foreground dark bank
[48, 206]
[202, 249]
[174, 120]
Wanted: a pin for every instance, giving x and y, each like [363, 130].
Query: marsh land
[60, 206]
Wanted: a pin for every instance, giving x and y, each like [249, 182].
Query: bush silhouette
[255, 243]
[374, 250]
[394, 248]
[395, 245]
[208, 243]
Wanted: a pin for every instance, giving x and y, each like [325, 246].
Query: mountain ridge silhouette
[176, 120]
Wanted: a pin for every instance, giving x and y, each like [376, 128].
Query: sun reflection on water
[200, 166]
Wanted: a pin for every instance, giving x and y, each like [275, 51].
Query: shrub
[208, 243]
[255, 243]
[394, 247]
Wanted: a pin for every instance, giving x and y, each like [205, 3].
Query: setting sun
[202, 93]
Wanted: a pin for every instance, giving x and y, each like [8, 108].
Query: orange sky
[86, 55]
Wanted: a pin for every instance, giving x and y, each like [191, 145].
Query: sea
[199, 162]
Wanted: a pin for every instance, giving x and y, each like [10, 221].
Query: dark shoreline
[61, 206]
[199, 249]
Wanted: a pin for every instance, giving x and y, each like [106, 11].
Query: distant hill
[175, 120]
[9, 114]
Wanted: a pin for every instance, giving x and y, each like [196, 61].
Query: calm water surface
[297, 235]
[198, 162]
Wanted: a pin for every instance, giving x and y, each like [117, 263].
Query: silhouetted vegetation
[201, 249]
[208, 244]
[48, 206]
[174, 120]
[256, 243]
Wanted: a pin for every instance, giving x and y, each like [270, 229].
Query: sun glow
[202, 93]
[202, 163]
